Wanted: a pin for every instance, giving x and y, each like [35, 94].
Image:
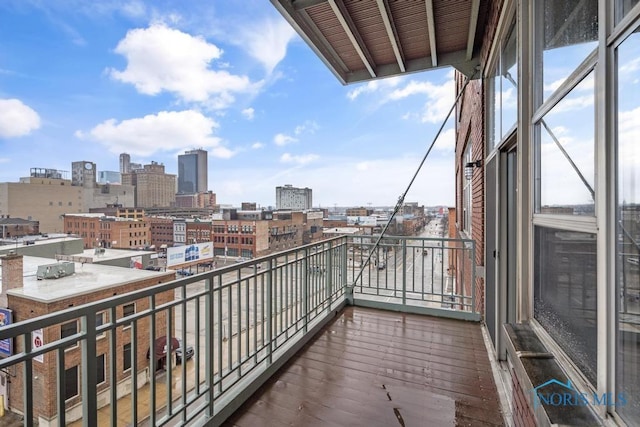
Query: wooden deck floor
[380, 368]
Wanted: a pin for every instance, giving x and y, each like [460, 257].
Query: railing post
[473, 276]
[305, 291]
[329, 276]
[269, 311]
[89, 371]
[209, 345]
[404, 271]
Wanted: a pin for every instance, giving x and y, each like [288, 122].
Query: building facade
[160, 232]
[193, 172]
[154, 188]
[290, 197]
[42, 197]
[99, 230]
[17, 227]
[28, 297]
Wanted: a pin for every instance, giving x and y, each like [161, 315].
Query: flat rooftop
[87, 278]
[109, 254]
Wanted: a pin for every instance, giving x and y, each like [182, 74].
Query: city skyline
[154, 80]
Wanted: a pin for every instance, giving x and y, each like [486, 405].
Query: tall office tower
[154, 188]
[192, 172]
[125, 163]
[289, 197]
[83, 174]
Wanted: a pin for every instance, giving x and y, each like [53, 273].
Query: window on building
[502, 90]
[565, 298]
[567, 35]
[467, 195]
[565, 176]
[100, 319]
[101, 370]
[622, 7]
[71, 383]
[628, 227]
[126, 357]
[128, 310]
[68, 329]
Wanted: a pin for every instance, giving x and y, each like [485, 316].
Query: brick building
[160, 231]
[17, 227]
[28, 297]
[99, 230]
[154, 187]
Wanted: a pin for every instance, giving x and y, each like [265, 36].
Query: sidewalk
[124, 406]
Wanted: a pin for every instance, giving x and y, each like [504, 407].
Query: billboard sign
[189, 253]
[6, 345]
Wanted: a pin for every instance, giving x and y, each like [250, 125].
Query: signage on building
[37, 341]
[136, 262]
[189, 253]
[6, 345]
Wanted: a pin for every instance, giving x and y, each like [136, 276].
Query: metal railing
[243, 321]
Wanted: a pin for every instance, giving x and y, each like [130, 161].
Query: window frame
[124, 314]
[66, 383]
[62, 335]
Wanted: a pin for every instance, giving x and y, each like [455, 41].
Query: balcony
[332, 333]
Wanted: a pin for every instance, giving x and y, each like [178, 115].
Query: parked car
[188, 353]
[184, 273]
[382, 266]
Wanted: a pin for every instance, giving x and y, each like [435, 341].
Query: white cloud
[299, 160]
[439, 98]
[307, 127]
[446, 141]
[4, 160]
[257, 145]
[160, 59]
[165, 131]
[134, 9]
[248, 113]
[17, 118]
[267, 41]
[282, 139]
[374, 86]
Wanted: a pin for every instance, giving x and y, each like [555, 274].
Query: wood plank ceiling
[361, 40]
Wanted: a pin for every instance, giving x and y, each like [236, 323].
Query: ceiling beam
[304, 4]
[473, 24]
[391, 33]
[350, 29]
[431, 26]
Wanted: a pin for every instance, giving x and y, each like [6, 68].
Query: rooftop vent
[55, 271]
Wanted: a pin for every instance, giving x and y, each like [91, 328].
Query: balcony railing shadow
[244, 321]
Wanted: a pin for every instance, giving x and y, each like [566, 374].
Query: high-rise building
[290, 197]
[125, 163]
[192, 172]
[154, 188]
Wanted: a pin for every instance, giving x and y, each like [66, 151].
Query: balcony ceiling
[362, 40]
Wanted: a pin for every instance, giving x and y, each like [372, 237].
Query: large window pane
[623, 7]
[566, 152]
[502, 91]
[565, 293]
[70, 383]
[628, 229]
[567, 34]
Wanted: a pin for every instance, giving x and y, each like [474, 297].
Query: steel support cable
[400, 201]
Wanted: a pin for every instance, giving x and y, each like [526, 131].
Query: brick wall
[470, 129]
[45, 384]
[522, 413]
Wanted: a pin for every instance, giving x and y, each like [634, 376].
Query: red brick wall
[470, 128]
[522, 413]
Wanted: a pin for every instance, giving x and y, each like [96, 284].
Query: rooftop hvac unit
[55, 271]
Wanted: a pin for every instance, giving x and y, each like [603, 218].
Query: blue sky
[89, 80]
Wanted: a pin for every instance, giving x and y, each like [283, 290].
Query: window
[68, 329]
[466, 193]
[566, 152]
[623, 7]
[503, 90]
[128, 310]
[628, 228]
[70, 383]
[100, 317]
[126, 357]
[567, 34]
[100, 370]
[565, 299]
